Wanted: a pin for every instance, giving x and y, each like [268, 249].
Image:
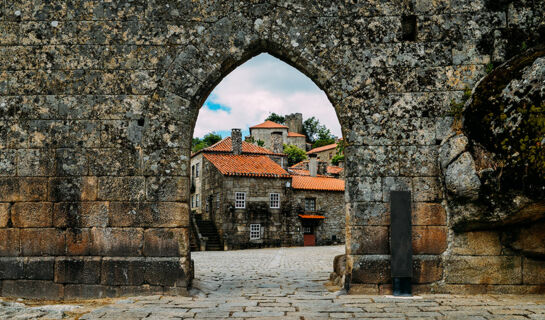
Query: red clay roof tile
[295, 134]
[225, 146]
[317, 183]
[323, 148]
[246, 165]
[269, 125]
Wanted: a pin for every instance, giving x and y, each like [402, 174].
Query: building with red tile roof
[324, 153]
[247, 166]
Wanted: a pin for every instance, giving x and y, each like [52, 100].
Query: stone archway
[98, 102]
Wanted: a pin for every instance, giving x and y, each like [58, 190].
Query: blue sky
[262, 85]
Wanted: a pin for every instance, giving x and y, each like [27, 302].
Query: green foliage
[260, 143]
[276, 118]
[489, 67]
[523, 46]
[208, 140]
[337, 158]
[316, 133]
[295, 154]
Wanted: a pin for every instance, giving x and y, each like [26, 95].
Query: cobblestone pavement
[285, 283]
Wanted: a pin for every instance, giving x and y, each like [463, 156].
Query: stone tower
[294, 122]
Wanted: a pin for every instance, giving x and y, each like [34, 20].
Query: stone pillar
[236, 141]
[276, 142]
[313, 164]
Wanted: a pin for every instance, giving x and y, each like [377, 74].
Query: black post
[401, 242]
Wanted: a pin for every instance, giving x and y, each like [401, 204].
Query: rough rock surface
[461, 178]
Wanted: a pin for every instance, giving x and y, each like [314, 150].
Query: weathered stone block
[533, 271]
[22, 189]
[39, 268]
[171, 242]
[483, 270]
[88, 291]
[426, 189]
[80, 214]
[427, 269]
[42, 242]
[529, 239]
[65, 189]
[32, 289]
[9, 189]
[35, 162]
[123, 271]
[165, 272]
[89, 189]
[10, 242]
[8, 162]
[429, 239]
[71, 162]
[114, 162]
[121, 188]
[146, 214]
[165, 162]
[80, 270]
[116, 241]
[11, 268]
[4, 214]
[369, 213]
[477, 243]
[428, 214]
[373, 160]
[368, 240]
[418, 161]
[167, 188]
[390, 184]
[78, 241]
[32, 214]
[371, 269]
[364, 189]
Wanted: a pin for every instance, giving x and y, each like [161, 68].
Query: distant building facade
[292, 132]
[324, 153]
[255, 201]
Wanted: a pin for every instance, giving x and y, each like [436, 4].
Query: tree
[310, 128]
[208, 140]
[295, 154]
[276, 118]
[324, 137]
[339, 156]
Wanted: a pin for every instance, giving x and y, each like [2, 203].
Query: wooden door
[309, 240]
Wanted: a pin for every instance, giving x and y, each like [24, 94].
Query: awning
[310, 216]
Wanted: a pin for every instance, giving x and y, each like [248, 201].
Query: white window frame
[255, 231]
[240, 200]
[314, 201]
[197, 201]
[274, 203]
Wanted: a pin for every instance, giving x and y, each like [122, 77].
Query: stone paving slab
[286, 283]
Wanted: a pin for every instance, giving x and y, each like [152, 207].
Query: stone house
[253, 201]
[324, 153]
[292, 133]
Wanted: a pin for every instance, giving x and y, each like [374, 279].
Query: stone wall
[331, 205]
[98, 101]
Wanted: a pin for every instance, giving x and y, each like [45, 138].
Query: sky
[262, 85]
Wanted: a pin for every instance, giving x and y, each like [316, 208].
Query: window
[193, 171]
[206, 206]
[255, 231]
[197, 202]
[240, 200]
[218, 201]
[197, 166]
[307, 230]
[310, 204]
[193, 201]
[275, 200]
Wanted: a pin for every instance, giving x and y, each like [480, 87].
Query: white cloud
[263, 85]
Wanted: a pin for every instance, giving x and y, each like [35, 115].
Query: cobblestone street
[285, 283]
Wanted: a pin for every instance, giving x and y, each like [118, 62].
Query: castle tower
[294, 122]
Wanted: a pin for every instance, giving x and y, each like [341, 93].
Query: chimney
[277, 142]
[313, 164]
[236, 141]
[322, 168]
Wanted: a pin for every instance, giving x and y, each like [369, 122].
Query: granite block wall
[98, 101]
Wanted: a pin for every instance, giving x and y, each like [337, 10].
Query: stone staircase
[208, 230]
